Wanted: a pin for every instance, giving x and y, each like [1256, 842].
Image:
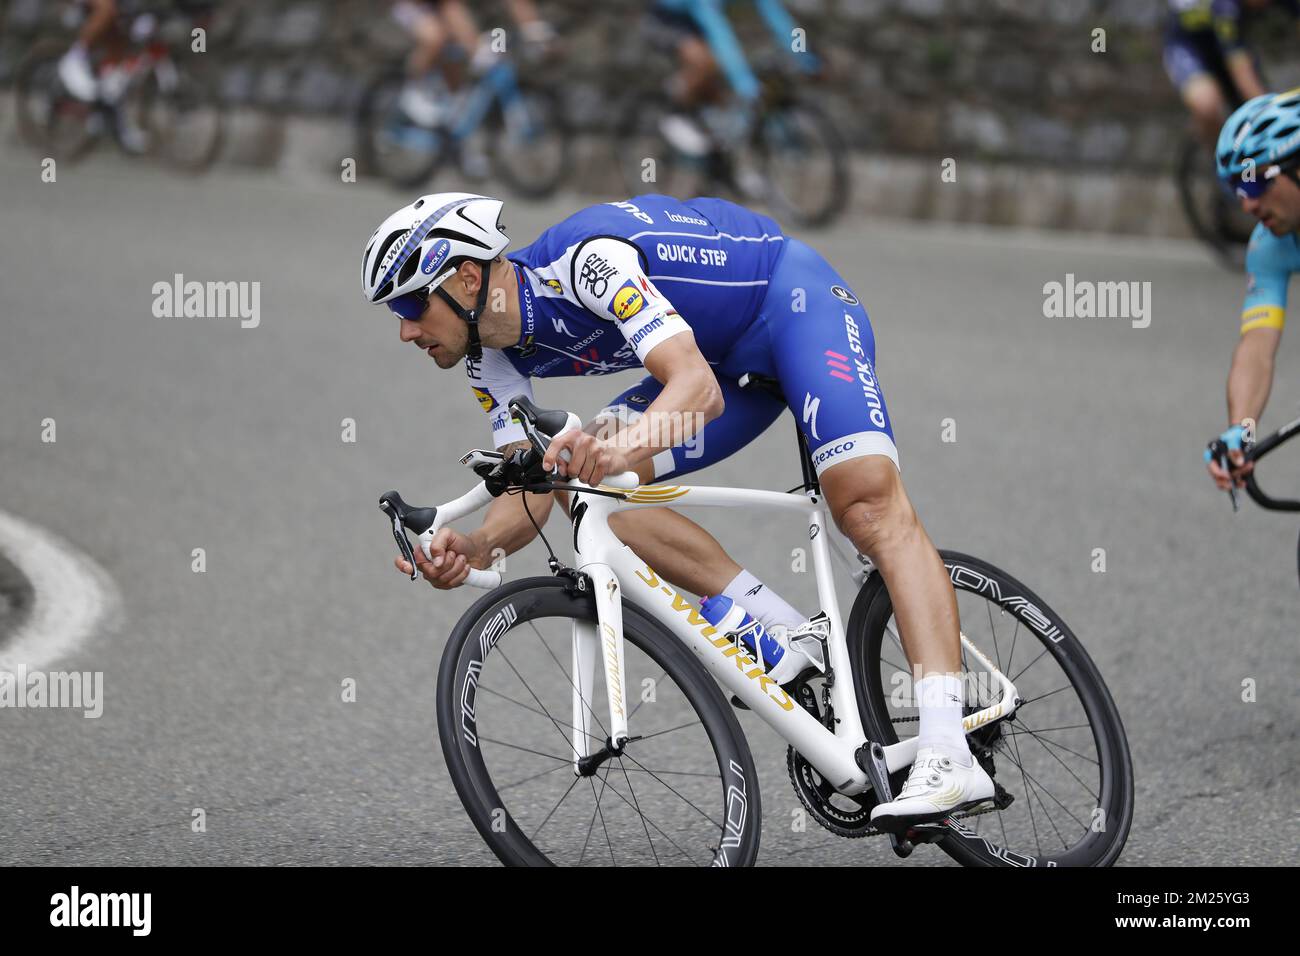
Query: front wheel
[1060, 761]
[682, 791]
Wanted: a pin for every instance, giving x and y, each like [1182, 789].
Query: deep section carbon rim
[683, 790]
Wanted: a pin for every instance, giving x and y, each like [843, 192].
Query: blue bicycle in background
[492, 124]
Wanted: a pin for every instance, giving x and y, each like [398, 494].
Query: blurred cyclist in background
[433, 24]
[100, 26]
[707, 51]
[1257, 156]
[1207, 59]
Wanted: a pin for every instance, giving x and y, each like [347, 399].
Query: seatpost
[805, 462]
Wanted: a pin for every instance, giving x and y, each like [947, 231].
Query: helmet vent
[408, 268]
[1264, 124]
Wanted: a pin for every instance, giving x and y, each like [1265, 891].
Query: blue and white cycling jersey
[600, 290]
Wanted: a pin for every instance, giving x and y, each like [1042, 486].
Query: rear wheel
[530, 142]
[683, 790]
[1061, 761]
[801, 161]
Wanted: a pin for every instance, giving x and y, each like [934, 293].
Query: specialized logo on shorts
[554, 286]
[595, 274]
[628, 301]
[844, 295]
[484, 398]
[435, 257]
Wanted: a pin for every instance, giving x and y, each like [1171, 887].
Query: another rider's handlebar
[1258, 451]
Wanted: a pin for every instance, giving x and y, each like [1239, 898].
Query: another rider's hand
[591, 458]
[1239, 467]
[453, 554]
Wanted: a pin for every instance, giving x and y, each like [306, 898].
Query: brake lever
[1217, 451]
[391, 504]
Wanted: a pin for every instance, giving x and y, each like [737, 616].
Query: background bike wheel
[1063, 755]
[389, 142]
[640, 150]
[802, 161]
[36, 88]
[530, 142]
[183, 119]
[684, 792]
[1213, 214]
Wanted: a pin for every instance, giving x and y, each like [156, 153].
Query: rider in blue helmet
[1257, 157]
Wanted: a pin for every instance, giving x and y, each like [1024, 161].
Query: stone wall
[1011, 88]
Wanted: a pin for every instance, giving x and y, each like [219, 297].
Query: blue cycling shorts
[813, 336]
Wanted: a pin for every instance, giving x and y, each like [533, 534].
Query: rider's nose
[410, 330]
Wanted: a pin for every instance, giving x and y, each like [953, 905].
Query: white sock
[768, 607]
[939, 698]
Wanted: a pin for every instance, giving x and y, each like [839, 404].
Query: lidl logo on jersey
[435, 257]
[628, 301]
[484, 398]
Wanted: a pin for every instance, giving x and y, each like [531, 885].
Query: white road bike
[580, 725]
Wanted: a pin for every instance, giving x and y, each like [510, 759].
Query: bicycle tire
[551, 121]
[372, 119]
[1229, 249]
[480, 632]
[838, 189]
[866, 629]
[202, 95]
[33, 130]
[637, 138]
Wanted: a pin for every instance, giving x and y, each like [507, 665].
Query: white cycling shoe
[936, 787]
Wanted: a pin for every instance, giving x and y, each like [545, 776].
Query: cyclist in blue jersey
[707, 50]
[1258, 155]
[699, 293]
[1207, 59]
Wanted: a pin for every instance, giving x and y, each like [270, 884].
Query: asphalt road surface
[222, 689]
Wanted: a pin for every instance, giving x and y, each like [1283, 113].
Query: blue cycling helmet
[1262, 137]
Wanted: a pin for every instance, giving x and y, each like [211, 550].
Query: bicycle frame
[614, 570]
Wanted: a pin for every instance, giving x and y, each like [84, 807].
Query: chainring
[843, 815]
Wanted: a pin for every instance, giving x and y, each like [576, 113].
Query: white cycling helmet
[420, 245]
[415, 249]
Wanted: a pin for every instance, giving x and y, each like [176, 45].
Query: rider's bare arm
[1251, 377]
[690, 399]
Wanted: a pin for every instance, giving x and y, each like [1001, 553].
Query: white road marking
[74, 596]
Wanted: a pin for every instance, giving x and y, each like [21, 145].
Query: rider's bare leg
[430, 37]
[98, 23]
[869, 504]
[1208, 107]
[697, 80]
